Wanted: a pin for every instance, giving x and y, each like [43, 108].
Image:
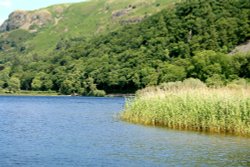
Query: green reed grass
[221, 110]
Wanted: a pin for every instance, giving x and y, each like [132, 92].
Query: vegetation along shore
[191, 105]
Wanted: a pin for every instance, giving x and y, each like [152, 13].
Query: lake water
[85, 131]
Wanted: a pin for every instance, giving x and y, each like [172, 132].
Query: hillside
[192, 39]
[45, 27]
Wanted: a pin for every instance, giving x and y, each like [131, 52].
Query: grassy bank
[192, 107]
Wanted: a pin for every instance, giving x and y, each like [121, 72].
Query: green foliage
[91, 89]
[215, 81]
[4, 77]
[208, 63]
[13, 84]
[42, 82]
[36, 84]
[170, 46]
[190, 40]
[14, 40]
[171, 73]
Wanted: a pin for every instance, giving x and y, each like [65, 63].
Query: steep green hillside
[192, 39]
[86, 19]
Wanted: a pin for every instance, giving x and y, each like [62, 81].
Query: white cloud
[5, 3]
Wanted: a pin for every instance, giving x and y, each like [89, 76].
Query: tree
[171, 73]
[4, 77]
[14, 84]
[42, 81]
[36, 83]
[215, 81]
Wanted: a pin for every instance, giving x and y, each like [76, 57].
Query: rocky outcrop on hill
[122, 12]
[133, 20]
[26, 20]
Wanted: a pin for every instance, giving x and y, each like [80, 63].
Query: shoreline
[45, 93]
[30, 93]
[120, 95]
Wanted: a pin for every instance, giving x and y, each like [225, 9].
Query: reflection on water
[78, 131]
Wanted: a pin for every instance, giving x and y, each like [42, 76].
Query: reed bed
[181, 106]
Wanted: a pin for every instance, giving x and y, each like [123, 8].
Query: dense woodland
[191, 40]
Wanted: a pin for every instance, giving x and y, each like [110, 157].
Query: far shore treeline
[192, 40]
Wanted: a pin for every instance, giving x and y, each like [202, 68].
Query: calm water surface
[81, 131]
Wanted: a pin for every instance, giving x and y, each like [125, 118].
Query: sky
[8, 6]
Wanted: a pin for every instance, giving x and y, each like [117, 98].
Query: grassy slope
[89, 18]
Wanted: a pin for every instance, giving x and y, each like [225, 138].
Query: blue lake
[86, 131]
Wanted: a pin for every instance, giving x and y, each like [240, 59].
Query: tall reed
[181, 106]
